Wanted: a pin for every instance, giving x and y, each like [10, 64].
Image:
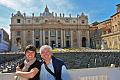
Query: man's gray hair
[46, 47]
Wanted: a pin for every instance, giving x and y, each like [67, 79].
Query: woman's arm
[30, 74]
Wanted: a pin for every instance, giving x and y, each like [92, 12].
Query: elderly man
[51, 67]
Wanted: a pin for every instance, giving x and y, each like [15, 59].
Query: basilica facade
[49, 28]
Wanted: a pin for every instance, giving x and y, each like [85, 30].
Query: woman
[30, 67]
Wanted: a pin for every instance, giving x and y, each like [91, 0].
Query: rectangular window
[37, 20]
[73, 21]
[18, 20]
[46, 21]
[18, 33]
[83, 21]
[37, 32]
[119, 38]
[46, 33]
[67, 33]
[52, 32]
[59, 33]
[28, 21]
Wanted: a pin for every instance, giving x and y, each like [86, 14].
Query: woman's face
[45, 54]
[30, 55]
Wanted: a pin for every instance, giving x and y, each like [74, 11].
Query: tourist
[51, 67]
[29, 69]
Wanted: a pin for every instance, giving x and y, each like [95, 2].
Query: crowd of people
[10, 66]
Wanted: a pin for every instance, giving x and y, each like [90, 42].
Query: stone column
[88, 39]
[43, 37]
[33, 40]
[13, 38]
[56, 38]
[71, 33]
[64, 38]
[78, 38]
[14, 44]
[24, 38]
[49, 37]
[102, 45]
[61, 38]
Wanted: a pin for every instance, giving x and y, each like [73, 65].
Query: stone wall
[7, 57]
[77, 60]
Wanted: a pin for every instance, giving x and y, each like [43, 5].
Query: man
[52, 68]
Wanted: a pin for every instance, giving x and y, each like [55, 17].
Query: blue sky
[96, 10]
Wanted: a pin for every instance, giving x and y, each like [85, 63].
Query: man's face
[45, 54]
[30, 55]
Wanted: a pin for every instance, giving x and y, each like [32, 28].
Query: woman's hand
[18, 69]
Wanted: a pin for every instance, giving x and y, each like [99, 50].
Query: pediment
[18, 14]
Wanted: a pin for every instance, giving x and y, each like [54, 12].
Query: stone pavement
[102, 73]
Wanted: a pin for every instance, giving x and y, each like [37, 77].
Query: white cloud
[4, 25]
[8, 3]
[30, 6]
[61, 6]
[27, 6]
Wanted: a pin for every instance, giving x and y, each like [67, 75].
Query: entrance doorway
[37, 44]
[67, 44]
[83, 42]
[53, 44]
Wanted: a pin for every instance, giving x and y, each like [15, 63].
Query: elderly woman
[29, 69]
[52, 68]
